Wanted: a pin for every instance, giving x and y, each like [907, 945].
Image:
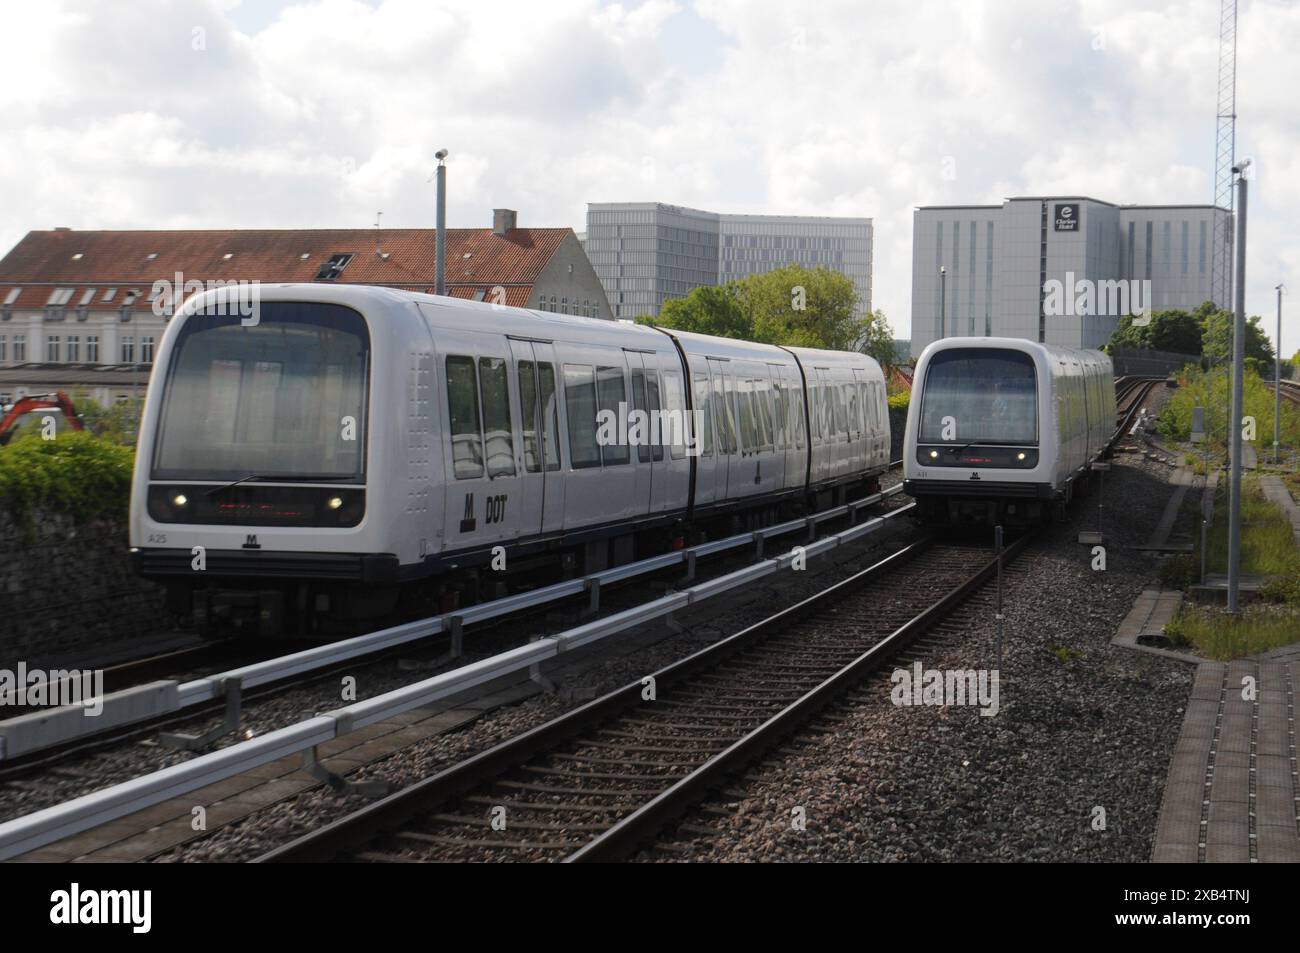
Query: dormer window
[227, 256]
[151, 256]
[108, 294]
[331, 269]
[78, 256]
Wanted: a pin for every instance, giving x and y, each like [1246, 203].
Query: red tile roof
[477, 260]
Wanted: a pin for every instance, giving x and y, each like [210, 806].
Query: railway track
[1291, 392]
[602, 779]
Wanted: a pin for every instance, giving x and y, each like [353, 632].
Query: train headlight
[1020, 455]
[335, 502]
[934, 454]
[179, 500]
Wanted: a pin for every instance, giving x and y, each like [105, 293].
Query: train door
[541, 486]
[724, 426]
[484, 487]
[648, 450]
[708, 460]
[868, 428]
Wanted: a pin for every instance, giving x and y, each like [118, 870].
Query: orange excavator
[34, 403]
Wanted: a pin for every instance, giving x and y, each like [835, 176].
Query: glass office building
[648, 252]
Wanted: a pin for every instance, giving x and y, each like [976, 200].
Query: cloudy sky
[286, 113]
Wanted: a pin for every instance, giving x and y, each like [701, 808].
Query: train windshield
[284, 398]
[979, 395]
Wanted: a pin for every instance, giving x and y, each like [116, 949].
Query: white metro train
[358, 441]
[1003, 429]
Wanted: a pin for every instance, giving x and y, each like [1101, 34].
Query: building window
[74, 347]
[128, 350]
[4, 347]
[20, 348]
[92, 348]
[52, 349]
[146, 349]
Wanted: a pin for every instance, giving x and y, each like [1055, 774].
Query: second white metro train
[357, 438]
[1003, 429]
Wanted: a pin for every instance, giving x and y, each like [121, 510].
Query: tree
[1174, 330]
[804, 307]
[878, 339]
[1217, 338]
[706, 310]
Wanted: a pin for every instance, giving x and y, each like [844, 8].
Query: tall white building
[648, 252]
[1007, 268]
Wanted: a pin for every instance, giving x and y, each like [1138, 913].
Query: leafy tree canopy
[791, 305]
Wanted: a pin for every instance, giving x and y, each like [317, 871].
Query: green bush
[77, 473]
[1179, 571]
[900, 400]
[1210, 389]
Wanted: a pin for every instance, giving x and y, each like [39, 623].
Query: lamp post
[1234, 418]
[440, 266]
[1277, 385]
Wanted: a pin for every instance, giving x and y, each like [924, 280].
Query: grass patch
[1267, 545]
[1214, 633]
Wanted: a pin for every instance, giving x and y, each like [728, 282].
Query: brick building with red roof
[81, 304]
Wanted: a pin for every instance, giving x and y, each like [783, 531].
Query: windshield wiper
[957, 450]
[282, 478]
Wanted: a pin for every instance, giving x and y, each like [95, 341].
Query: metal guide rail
[40, 730]
[43, 827]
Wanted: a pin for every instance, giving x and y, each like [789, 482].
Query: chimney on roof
[503, 220]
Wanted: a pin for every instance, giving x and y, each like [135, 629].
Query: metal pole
[997, 545]
[1277, 385]
[943, 300]
[1234, 418]
[440, 282]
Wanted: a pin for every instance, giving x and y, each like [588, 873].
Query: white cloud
[321, 112]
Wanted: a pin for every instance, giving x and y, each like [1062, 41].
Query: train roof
[1047, 352]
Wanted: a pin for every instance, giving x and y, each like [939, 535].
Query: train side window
[494, 391]
[528, 412]
[675, 428]
[722, 407]
[779, 415]
[763, 394]
[610, 392]
[704, 404]
[466, 428]
[638, 403]
[580, 406]
[796, 404]
[745, 398]
[550, 416]
[654, 406]
[645, 397]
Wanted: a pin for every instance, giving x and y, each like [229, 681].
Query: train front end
[979, 447]
[253, 500]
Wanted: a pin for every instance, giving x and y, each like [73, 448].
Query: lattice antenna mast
[1225, 145]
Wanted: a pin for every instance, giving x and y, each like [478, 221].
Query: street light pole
[1234, 418]
[943, 300]
[1277, 385]
[440, 266]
